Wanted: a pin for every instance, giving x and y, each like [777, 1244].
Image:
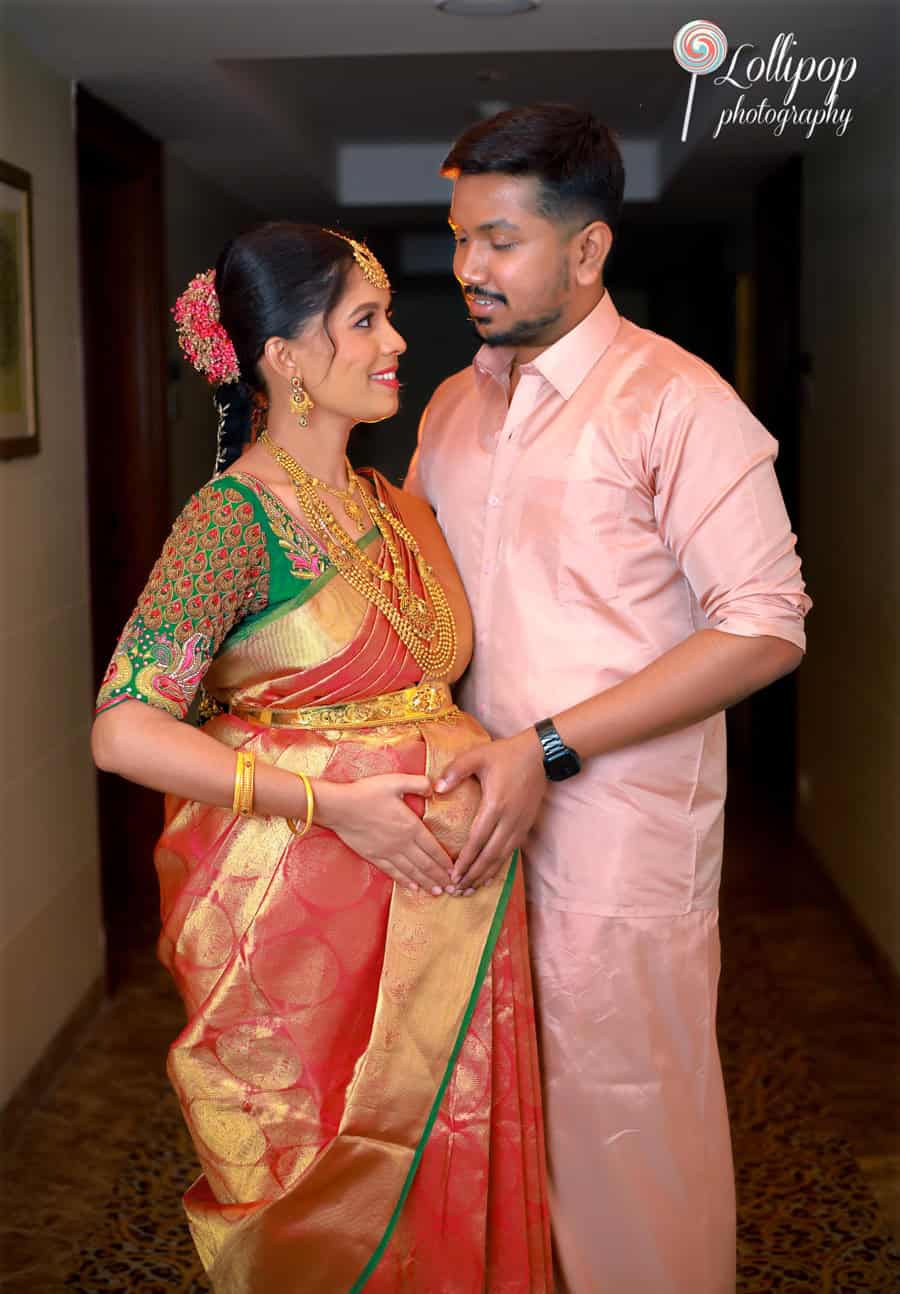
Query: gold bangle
[244, 771]
[247, 778]
[310, 808]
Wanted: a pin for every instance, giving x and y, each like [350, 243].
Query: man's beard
[527, 332]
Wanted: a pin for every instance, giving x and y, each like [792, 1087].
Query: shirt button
[493, 501]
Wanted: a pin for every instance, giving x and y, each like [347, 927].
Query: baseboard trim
[43, 1073]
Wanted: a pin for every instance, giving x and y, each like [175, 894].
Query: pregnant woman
[358, 1068]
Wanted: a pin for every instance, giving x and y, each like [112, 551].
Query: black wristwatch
[560, 760]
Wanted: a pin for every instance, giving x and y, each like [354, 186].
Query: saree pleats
[480, 1190]
[358, 1068]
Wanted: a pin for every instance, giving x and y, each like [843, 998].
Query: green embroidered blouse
[234, 552]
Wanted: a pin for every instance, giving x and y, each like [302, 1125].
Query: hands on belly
[512, 780]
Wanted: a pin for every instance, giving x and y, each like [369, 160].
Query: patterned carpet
[808, 1220]
[809, 1034]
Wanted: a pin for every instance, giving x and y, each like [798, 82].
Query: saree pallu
[358, 1071]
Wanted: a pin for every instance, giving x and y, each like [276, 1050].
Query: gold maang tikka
[373, 271]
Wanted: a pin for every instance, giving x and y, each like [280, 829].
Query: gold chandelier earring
[301, 404]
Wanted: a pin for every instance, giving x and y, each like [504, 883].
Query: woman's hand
[511, 773]
[373, 819]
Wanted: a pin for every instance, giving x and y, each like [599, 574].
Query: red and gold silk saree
[358, 1069]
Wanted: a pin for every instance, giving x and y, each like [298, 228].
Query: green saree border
[281, 574]
[487, 954]
[277, 610]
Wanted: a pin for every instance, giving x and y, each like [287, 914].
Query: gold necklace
[351, 507]
[425, 626]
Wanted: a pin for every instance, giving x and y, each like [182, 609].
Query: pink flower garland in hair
[200, 335]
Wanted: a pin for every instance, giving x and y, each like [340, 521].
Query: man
[615, 516]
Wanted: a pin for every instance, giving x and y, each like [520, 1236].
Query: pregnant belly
[346, 756]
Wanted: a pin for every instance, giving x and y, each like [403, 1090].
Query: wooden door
[124, 321]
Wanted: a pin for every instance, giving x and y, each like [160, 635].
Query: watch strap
[551, 742]
[560, 760]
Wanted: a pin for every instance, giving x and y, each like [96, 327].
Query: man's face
[511, 262]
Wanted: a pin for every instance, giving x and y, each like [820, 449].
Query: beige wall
[200, 219]
[50, 926]
[849, 686]
[51, 940]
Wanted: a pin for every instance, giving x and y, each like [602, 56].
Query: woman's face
[357, 378]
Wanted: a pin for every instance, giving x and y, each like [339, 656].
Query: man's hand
[511, 773]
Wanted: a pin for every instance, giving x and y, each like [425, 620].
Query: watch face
[562, 766]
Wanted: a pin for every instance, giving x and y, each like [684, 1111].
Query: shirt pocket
[589, 541]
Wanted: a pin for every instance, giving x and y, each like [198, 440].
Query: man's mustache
[470, 293]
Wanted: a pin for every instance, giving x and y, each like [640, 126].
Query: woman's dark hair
[574, 157]
[270, 282]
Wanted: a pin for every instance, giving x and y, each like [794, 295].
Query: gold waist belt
[412, 705]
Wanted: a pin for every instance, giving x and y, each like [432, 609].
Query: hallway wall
[849, 685]
[200, 219]
[51, 949]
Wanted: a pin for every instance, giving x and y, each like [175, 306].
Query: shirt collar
[568, 361]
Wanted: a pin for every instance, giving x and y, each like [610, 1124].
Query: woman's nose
[396, 342]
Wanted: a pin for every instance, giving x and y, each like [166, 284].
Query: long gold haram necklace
[427, 631]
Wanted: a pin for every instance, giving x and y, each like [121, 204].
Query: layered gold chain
[425, 626]
[345, 496]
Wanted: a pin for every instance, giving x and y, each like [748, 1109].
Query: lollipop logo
[699, 47]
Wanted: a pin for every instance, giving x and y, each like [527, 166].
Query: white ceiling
[278, 100]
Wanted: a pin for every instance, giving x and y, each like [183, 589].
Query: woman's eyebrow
[366, 305]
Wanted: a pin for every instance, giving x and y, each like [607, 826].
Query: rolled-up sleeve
[721, 513]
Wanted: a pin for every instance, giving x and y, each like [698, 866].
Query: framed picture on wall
[18, 386]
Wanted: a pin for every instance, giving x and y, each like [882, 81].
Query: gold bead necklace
[425, 626]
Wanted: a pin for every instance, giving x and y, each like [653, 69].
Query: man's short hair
[574, 158]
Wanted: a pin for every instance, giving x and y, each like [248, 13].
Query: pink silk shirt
[623, 499]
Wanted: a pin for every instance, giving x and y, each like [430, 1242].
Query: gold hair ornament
[373, 271]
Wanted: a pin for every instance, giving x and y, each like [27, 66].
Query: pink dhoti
[613, 502]
[637, 1128]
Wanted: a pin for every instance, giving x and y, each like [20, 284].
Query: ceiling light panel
[485, 8]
